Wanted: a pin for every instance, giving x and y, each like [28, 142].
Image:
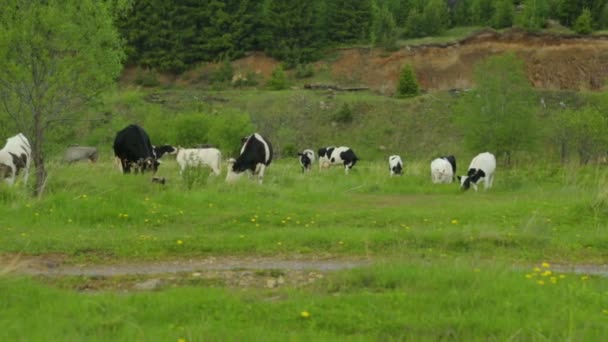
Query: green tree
[55, 57]
[534, 15]
[482, 12]
[583, 23]
[408, 84]
[503, 14]
[413, 24]
[500, 115]
[461, 13]
[435, 17]
[349, 21]
[384, 29]
[582, 130]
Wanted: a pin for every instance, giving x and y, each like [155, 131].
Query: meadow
[442, 264]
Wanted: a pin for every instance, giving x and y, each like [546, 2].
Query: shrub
[583, 23]
[344, 115]
[223, 74]
[408, 85]
[304, 71]
[146, 77]
[278, 80]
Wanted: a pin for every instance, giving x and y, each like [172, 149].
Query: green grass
[92, 211]
[452, 299]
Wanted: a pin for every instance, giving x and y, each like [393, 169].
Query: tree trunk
[37, 154]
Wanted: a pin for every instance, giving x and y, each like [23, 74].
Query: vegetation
[175, 38]
[55, 57]
[408, 84]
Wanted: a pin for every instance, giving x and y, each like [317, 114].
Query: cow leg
[490, 181]
[11, 179]
[261, 169]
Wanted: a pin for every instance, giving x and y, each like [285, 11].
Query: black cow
[132, 146]
[255, 156]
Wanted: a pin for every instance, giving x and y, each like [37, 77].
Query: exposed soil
[552, 61]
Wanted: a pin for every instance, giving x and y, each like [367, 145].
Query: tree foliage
[408, 84]
[583, 23]
[55, 56]
[582, 131]
[500, 115]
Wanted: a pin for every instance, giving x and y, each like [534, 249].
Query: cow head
[232, 175]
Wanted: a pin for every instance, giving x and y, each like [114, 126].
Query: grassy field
[444, 264]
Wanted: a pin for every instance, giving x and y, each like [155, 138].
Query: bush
[194, 176]
[223, 74]
[304, 71]
[248, 80]
[146, 77]
[583, 23]
[278, 80]
[408, 85]
[344, 115]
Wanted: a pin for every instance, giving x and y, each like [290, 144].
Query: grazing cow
[77, 153]
[195, 157]
[15, 156]
[481, 169]
[255, 156]
[306, 158]
[160, 151]
[331, 155]
[395, 165]
[452, 160]
[133, 148]
[441, 171]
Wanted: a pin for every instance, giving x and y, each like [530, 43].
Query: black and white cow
[255, 156]
[443, 169]
[482, 168]
[342, 155]
[77, 153]
[133, 148]
[160, 151]
[395, 165]
[15, 156]
[306, 158]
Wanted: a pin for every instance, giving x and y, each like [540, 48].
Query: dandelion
[605, 312]
[545, 265]
[288, 218]
[210, 205]
[283, 221]
[181, 212]
[562, 276]
[69, 220]
[553, 280]
[279, 243]
[180, 242]
[181, 340]
[253, 219]
[529, 276]
[584, 278]
[341, 242]
[454, 221]
[84, 196]
[304, 314]
[546, 273]
[242, 236]
[541, 282]
[536, 269]
[146, 221]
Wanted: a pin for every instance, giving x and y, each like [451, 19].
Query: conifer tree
[408, 84]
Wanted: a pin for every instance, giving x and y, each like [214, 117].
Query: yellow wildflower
[529, 276]
[546, 273]
[553, 280]
[562, 276]
[540, 282]
[305, 314]
[180, 242]
[583, 278]
[536, 269]
[545, 265]
[454, 221]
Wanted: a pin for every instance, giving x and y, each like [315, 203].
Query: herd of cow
[134, 151]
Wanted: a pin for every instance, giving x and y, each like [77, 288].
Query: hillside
[553, 61]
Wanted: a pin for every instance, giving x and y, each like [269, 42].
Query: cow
[443, 169]
[160, 151]
[306, 158]
[77, 153]
[482, 168]
[132, 148]
[395, 165]
[332, 155]
[195, 157]
[16, 155]
[255, 156]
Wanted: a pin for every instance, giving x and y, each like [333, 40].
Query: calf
[133, 148]
[77, 153]
[15, 156]
[441, 171]
[255, 156]
[160, 151]
[306, 158]
[196, 157]
[481, 169]
[329, 156]
[395, 165]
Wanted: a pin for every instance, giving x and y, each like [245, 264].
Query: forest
[173, 36]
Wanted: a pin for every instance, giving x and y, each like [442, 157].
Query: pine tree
[349, 20]
[503, 14]
[408, 84]
[435, 17]
[384, 29]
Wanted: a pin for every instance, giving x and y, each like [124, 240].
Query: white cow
[197, 157]
[441, 171]
[482, 168]
[395, 165]
[15, 156]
